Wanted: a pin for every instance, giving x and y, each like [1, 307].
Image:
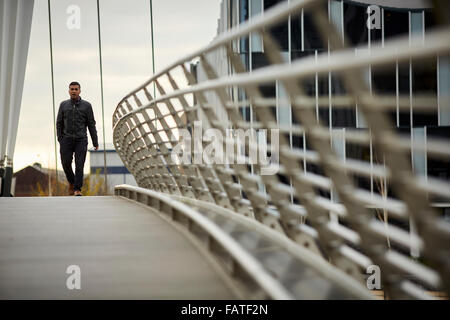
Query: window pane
[419, 156]
[243, 16]
[312, 36]
[341, 116]
[335, 15]
[430, 19]
[424, 81]
[269, 91]
[259, 60]
[234, 4]
[279, 32]
[403, 88]
[355, 27]
[284, 113]
[395, 23]
[324, 110]
[256, 40]
[384, 82]
[438, 167]
[234, 12]
[416, 23]
[296, 33]
[256, 7]
[243, 10]
[444, 90]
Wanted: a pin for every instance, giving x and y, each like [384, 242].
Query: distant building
[117, 173]
[34, 181]
[25, 182]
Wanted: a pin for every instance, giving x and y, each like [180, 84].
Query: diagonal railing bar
[194, 143]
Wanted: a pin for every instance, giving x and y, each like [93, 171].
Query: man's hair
[74, 83]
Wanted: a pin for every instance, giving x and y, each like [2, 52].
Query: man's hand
[96, 148]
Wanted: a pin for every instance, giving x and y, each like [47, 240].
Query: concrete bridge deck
[124, 250]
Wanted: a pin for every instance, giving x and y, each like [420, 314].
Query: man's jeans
[69, 146]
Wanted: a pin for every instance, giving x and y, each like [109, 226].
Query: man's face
[74, 92]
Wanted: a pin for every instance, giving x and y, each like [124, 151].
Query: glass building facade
[299, 38]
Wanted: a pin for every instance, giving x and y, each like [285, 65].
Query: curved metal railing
[258, 262]
[180, 143]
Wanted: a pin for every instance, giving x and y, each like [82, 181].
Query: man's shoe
[70, 189]
[78, 193]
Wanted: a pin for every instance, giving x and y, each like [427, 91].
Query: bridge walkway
[124, 251]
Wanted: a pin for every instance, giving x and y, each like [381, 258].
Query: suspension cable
[101, 88]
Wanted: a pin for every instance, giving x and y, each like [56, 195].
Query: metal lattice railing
[310, 193]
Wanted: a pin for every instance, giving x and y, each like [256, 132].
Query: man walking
[74, 116]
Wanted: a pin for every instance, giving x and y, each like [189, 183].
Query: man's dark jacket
[73, 118]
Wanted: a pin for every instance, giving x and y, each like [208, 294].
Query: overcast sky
[180, 27]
